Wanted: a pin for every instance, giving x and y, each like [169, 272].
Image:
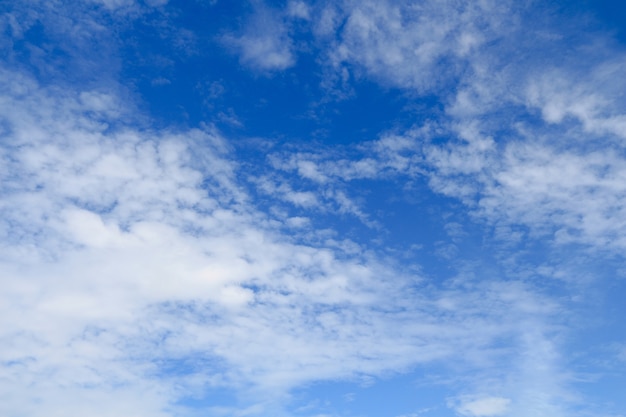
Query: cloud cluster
[416, 46]
[127, 250]
[265, 43]
[554, 164]
[526, 138]
[139, 272]
[488, 406]
[530, 138]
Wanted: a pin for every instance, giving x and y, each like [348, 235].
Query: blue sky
[312, 209]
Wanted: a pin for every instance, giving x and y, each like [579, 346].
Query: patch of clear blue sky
[391, 396]
[611, 14]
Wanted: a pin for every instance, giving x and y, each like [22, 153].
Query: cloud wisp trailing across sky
[156, 267]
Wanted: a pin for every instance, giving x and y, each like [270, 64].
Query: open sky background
[312, 209]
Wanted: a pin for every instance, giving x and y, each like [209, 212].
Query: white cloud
[573, 195]
[129, 6]
[415, 45]
[265, 51]
[265, 43]
[401, 44]
[484, 407]
[116, 4]
[588, 97]
[298, 9]
[323, 179]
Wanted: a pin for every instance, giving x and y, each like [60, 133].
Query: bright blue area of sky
[400, 395]
[611, 14]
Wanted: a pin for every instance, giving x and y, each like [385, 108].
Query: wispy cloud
[552, 161]
[487, 406]
[265, 43]
[418, 46]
